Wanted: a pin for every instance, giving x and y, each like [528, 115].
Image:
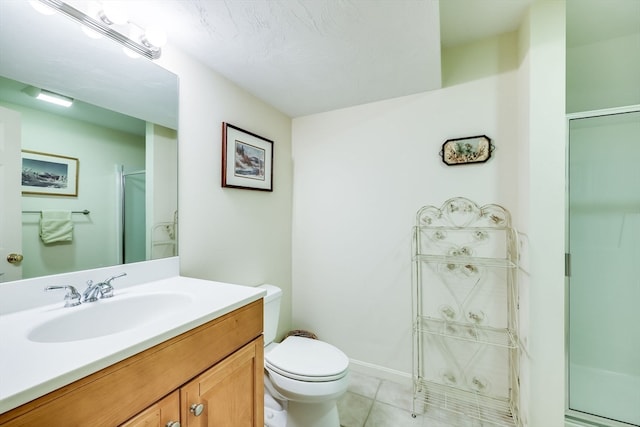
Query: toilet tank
[271, 312]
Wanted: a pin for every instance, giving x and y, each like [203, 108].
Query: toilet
[303, 377]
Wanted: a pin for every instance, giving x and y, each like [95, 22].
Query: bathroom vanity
[198, 366]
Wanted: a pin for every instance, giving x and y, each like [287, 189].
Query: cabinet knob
[196, 409]
[173, 424]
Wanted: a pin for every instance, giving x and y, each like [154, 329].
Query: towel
[56, 226]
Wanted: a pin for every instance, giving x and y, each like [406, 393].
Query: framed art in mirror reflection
[49, 174]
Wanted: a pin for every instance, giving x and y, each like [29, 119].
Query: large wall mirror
[120, 133]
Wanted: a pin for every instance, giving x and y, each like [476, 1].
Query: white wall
[98, 149]
[161, 191]
[360, 175]
[523, 211]
[542, 211]
[225, 234]
[604, 74]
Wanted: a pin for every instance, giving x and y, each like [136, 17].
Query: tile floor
[372, 402]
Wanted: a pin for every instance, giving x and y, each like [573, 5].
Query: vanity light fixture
[48, 96]
[147, 45]
[153, 37]
[114, 13]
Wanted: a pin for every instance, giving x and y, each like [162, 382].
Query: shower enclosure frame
[121, 176]
[579, 418]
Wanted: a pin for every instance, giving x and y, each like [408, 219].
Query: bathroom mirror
[129, 106]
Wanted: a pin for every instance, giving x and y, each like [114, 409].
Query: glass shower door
[604, 284]
[134, 219]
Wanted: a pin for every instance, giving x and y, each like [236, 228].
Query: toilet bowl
[306, 377]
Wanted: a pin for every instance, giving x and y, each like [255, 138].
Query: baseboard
[380, 372]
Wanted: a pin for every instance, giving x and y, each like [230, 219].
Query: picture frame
[462, 151]
[247, 159]
[49, 174]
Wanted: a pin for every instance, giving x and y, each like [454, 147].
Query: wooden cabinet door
[161, 414]
[231, 392]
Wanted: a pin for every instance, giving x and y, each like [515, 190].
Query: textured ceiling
[309, 56]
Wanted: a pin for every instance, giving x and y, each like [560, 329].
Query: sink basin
[109, 316]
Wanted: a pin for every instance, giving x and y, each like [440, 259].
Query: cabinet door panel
[231, 392]
[159, 414]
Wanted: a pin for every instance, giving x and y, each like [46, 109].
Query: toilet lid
[307, 359]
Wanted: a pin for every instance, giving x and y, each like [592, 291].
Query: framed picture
[461, 151]
[49, 174]
[247, 159]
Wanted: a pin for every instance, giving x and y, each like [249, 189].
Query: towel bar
[84, 212]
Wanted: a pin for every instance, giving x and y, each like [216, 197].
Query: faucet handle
[108, 281]
[71, 298]
[106, 289]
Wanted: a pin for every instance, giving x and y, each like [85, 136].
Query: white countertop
[31, 369]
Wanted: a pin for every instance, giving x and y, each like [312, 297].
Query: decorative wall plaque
[461, 151]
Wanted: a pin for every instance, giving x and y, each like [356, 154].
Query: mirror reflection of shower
[132, 215]
[146, 215]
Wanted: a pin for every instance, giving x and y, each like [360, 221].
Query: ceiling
[310, 56]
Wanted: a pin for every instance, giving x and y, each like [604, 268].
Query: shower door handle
[567, 265]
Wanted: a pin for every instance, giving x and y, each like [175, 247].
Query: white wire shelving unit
[465, 312]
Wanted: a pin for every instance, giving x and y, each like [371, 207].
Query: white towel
[56, 226]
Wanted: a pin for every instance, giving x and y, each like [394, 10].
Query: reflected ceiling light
[48, 96]
[54, 98]
[110, 13]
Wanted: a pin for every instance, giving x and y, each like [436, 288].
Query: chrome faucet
[96, 291]
[71, 298]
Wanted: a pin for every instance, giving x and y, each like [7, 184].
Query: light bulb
[154, 37]
[93, 10]
[134, 34]
[130, 53]
[114, 12]
[90, 32]
[41, 7]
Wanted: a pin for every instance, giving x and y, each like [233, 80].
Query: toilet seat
[306, 359]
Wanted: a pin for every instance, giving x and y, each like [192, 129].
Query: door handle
[14, 258]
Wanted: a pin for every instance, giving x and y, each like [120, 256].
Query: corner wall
[542, 211]
[230, 235]
[360, 175]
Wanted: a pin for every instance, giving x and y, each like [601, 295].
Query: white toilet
[304, 378]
